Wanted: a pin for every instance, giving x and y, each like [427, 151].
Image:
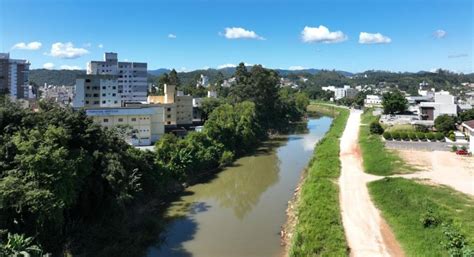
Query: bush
[421, 128]
[387, 135]
[444, 123]
[464, 148]
[439, 136]
[226, 159]
[404, 136]
[454, 148]
[412, 136]
[429, 219]
[376, 128]
[396, 135]
[421, 136]
[430, 136]
[452, 137]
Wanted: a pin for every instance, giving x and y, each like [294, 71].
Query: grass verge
[427, 220]
[319, 230]
[377, 159]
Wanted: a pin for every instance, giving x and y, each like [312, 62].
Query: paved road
[424, 146]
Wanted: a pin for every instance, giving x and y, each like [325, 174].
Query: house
[373, 101]
[444, 103]
[469, 126]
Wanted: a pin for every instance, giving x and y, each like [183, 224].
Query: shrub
[421, 128]
[444, 123]
[421, 136]
[430, 136]
[454, 148]
[404, 136]
[463, 148]
[412, 136]
[429, 219]
[227, 158]
[376, 128]
[439, 136]
[452, 137]
[387, 135]
[396, 135]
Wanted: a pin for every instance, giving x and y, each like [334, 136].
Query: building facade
[142, 125]
[178, 107]
[14, 76]
[96, 91]
[131, 76]
[444, 103]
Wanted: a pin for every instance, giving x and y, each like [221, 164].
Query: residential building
[131, 77]
[342, 92]
[178, 107]
[228, 82]
[63, 95]
[14, 76]
[96, 91]
[203, 81]
[373, 101]
[444, 103]
[143, 125]
[469, 126]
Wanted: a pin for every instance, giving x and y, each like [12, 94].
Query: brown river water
[239, 213]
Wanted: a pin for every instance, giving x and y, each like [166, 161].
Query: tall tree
[394, 102]
[173, 78]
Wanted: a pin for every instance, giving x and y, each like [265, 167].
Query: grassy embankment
[318, 230]
[427, 220]
[377, 159]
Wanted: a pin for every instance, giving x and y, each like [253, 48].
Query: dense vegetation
[376, 159]
[69, 186]
[427, 220]
[318, 230]
[54, 77]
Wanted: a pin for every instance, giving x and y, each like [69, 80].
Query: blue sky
[413, 34]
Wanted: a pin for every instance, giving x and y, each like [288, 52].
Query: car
[462, 152]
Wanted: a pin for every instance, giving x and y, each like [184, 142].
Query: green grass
[401, 128]
[319, 230]
[404, 202]
[377, 159]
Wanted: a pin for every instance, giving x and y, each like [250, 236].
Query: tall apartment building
[131, 76]
[96, 91]
[14, 76]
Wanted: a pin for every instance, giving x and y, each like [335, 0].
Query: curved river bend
[239, 213]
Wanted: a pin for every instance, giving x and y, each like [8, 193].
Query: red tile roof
[469, 123]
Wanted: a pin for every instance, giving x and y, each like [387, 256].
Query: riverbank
[317, 228]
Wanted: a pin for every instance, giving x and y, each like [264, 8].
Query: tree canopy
[394, 102]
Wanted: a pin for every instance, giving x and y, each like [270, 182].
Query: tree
[241, 74]
[173, 78]
[208, 105]
[445, 123]
[376, 128]
[394, 102]
[467, 115]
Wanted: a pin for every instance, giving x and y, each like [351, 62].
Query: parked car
[462, 152]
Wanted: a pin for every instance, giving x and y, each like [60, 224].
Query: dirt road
[443, 168]
[366, 232]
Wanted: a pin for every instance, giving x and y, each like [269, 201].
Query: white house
[469, 125]
[373, 101]
[444, 103]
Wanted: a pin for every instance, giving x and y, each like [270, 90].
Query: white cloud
[458, 55]
[373, 38]
[67, 67]
[28, 46]
[100, 46]
[296, 68]
[227, 65]
[172, 36]
[48, 65]
[67, 51]
[237, 33]
[439, 33]
[321, 34]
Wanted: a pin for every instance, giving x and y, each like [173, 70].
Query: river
[239, 212]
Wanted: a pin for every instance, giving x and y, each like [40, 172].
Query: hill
[54, 77]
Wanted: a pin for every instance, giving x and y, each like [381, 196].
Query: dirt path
[366, 232]
[443, 168]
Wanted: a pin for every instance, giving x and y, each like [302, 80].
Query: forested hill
[54, 77]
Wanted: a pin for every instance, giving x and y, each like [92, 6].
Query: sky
[349, 35]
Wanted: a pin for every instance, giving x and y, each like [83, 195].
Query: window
[106, 120]
[120, 120]
[103, 94]
[88, 87]
[96, 95]
[87, 102]
[103, 87]
[113, 94]
[103, 102]
[88, 80]
[169, 109]
[169, 122]
[169, 116]
[134, 119]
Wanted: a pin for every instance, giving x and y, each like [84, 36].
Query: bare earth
[444, 168]
[366, 232]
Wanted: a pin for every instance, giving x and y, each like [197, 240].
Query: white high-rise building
[131, 76]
